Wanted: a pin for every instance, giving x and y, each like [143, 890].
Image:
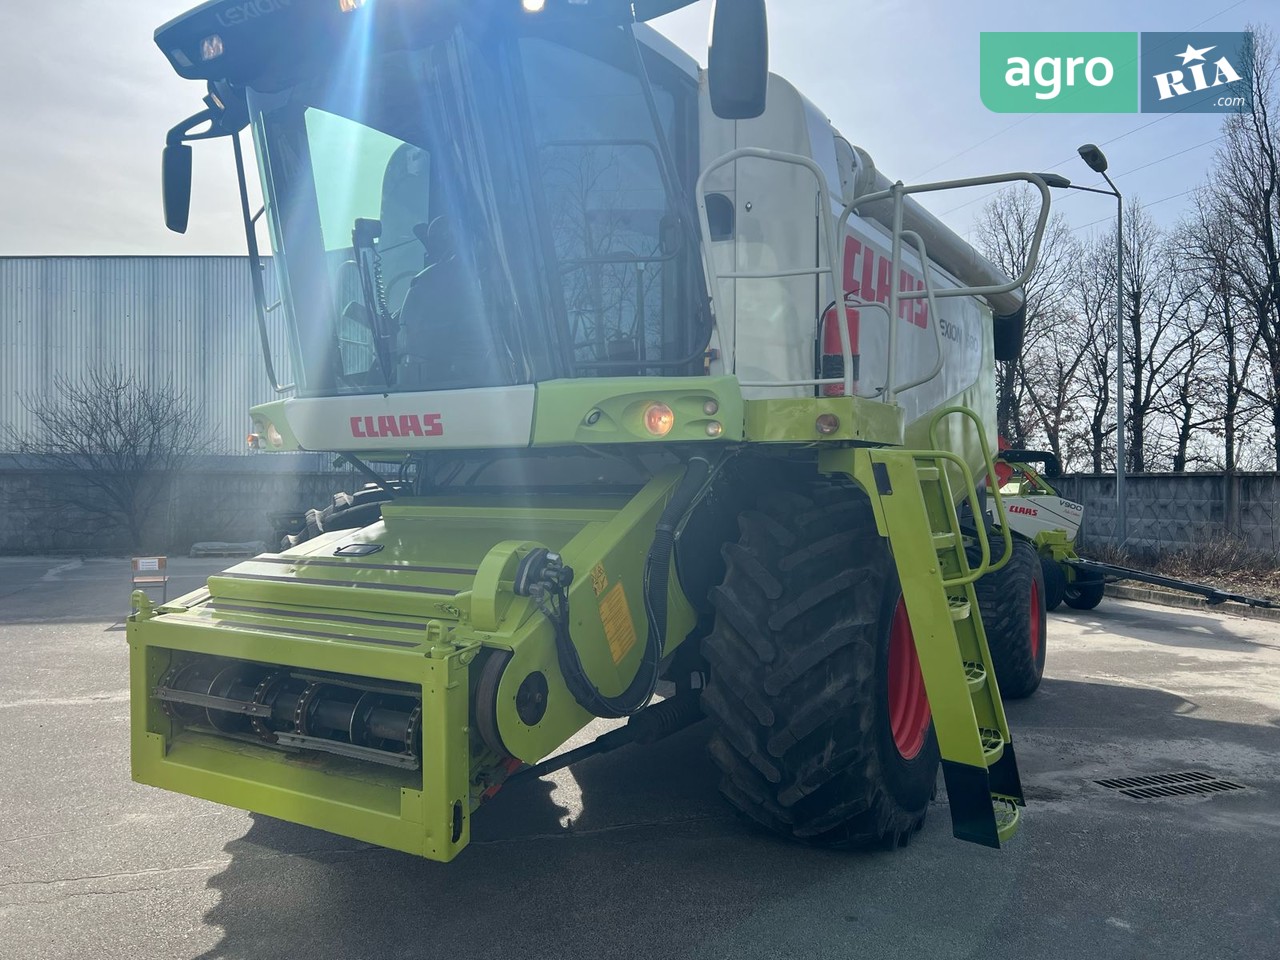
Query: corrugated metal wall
[189, 318]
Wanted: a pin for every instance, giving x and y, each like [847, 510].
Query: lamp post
[1097, 162]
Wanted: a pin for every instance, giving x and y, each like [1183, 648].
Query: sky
[89, 99]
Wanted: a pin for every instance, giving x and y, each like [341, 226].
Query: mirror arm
[182, 133]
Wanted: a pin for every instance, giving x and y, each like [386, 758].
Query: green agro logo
[1060, 72]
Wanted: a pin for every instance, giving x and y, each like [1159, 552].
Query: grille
[1160, 786]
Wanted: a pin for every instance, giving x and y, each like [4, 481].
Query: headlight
[659, 419]
[273, 436]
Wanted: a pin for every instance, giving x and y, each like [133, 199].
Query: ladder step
[1006, 814]
[976, 675]
[992, 745]
[978, 758]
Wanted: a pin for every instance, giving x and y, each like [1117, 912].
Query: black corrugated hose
[657, 578]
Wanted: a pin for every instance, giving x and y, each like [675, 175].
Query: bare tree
[116, 442]
[1190, 404]
[1160, 331]
[1213, 249]
[1095, 304]
[1003, 232]
[1245, 186]
[1051, 375]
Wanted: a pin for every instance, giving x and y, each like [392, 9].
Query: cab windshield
[452, 216]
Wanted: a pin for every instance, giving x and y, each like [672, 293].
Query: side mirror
[738, 61]
[177, 186]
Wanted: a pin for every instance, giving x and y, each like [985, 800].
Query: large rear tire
[1012, 603]
[822, 726]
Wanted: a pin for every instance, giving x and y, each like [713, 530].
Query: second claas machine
[680, 388]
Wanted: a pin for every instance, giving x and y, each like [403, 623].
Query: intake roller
[335, 714]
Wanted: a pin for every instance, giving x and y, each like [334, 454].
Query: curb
[1167, 598]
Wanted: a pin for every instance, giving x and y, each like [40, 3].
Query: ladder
[912, 497]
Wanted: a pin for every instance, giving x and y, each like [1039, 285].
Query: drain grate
[1158, 786]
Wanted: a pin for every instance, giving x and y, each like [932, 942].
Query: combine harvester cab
[680, 387]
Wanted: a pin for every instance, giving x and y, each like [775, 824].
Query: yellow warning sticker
[619, 628]
[599, 579]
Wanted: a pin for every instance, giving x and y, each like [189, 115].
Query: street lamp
[1097, 162]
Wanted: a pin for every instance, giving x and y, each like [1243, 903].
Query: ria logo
[1196, 73]
[402, 425]
[1171, 84]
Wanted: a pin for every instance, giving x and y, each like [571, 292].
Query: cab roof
[238, 40]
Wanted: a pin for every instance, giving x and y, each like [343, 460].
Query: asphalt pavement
[633, 854]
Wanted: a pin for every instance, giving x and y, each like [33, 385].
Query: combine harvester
[680, 387]
[1051, 523]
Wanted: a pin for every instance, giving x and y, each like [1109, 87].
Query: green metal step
[976, 675]
[1007, 815]
[914, 497]
[992, 745]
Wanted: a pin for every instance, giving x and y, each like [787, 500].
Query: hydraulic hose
[657, 579]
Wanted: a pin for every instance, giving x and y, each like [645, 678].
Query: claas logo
[403, 425]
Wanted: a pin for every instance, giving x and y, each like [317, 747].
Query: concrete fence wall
[223, 499]
[1176, 511]
[229, 499]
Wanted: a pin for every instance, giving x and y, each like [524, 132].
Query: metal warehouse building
[186, 318]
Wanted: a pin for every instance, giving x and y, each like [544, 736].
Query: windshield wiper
[369, 261]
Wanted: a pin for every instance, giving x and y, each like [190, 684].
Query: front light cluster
[660, 419]
[264, 430]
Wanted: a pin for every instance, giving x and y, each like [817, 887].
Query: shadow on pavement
[653, 864]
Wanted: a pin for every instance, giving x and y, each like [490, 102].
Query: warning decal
[599, 579]
[619, 628]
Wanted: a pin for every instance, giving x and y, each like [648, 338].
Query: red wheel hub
[1035, 622]
[908, 702]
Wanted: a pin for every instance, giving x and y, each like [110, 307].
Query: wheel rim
[1035, 621]
[908, 702]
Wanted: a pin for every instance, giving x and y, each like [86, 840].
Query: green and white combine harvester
[1051, 524]
[680, 387]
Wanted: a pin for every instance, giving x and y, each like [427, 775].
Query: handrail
[1002, 519]
[833, 238]
[829, 242]
[933, 312]
[898, 191]
[255, 270]
[984, 544]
